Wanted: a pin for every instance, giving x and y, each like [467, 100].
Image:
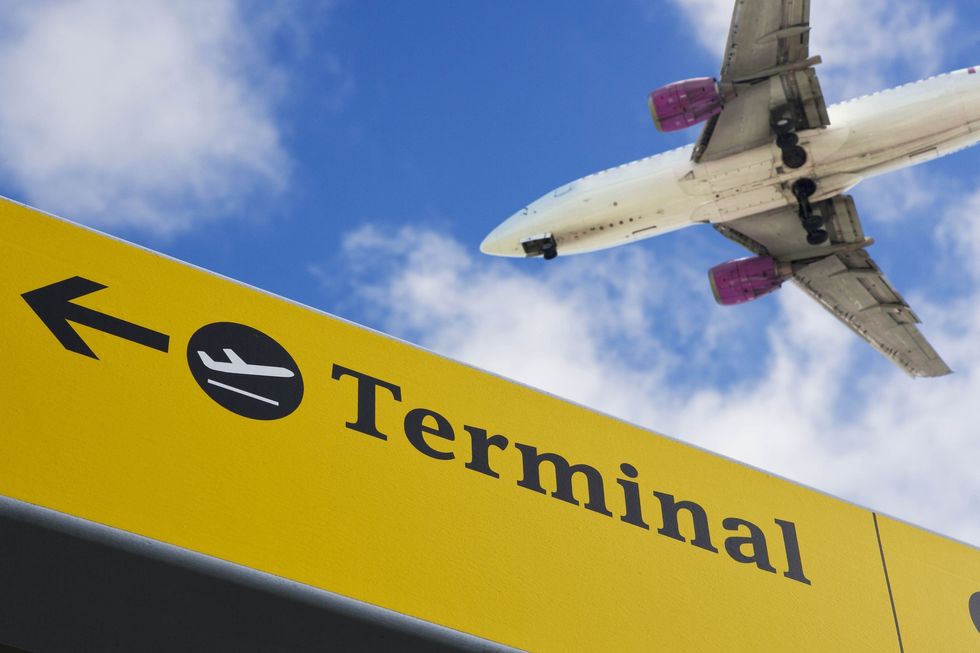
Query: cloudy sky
[352, 155]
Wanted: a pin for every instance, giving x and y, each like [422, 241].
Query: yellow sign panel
[935, 582]
[156, 398]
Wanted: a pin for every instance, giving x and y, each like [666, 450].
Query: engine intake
[682, 104]
[745, 279]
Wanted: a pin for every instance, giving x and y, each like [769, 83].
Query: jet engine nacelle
[745, 279]
[686, 103]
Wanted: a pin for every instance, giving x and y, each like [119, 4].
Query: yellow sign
[153, 397]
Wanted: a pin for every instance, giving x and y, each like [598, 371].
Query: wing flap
[764, 34]
[851, 286]
[803, 93]
[843, 278]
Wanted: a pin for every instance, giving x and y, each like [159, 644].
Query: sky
[352, 155]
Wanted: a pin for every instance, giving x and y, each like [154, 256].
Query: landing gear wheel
[813, 223]
[788, 140]
[818, 237]
[804, 188]
[549, 252]
[794, 157]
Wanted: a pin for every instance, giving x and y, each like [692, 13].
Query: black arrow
[53, 305]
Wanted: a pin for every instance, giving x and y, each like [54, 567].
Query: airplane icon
[238, 366]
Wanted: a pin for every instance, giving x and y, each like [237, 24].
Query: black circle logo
[245, 370]
[975, 609]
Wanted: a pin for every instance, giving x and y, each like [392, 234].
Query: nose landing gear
[542, 245]
[803, 189]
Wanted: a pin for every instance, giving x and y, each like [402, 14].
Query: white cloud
[607, 331]
[902, 195]
[959, 232]
[857, 40]
[147, 114]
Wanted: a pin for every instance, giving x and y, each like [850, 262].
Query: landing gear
[788, 142]
[818, 237]
[803, 189]
[794, 156]
[542, 245]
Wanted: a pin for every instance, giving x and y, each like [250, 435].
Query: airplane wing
[843, 278]
[767, 73]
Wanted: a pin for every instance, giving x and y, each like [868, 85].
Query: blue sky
[352, 155]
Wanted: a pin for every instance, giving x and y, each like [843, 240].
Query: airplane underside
[769, 171]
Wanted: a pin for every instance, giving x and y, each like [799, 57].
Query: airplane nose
[492, 244]
[501, 242]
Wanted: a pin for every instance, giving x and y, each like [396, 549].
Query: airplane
[236, 365]
[770, 171]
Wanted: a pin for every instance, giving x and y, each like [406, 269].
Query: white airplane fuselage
[867, 136]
